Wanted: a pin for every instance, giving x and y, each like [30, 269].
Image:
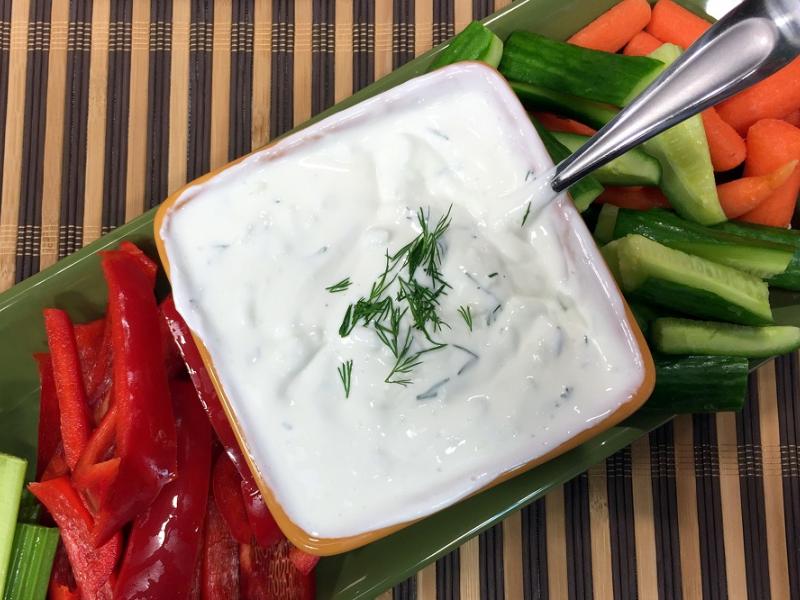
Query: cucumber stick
[536, 97]
[592, 74]
[606, 223]
[12, 476]
[688, 284]
[685, 336]
[585, 190]
[687, 177]
[777, 263]
[475, 42]
[31, 562]
[694, 384]
[635, 167]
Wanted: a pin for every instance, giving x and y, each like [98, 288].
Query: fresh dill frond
[384, 312]
[525, 216]
[345, 374]
[340, 286]
[466, 314]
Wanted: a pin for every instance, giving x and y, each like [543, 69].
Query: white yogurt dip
[548, 355]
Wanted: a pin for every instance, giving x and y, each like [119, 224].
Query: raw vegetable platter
[76, 284]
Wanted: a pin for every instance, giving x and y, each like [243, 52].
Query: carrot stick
[614, 28]
[772, 143]
[633, 197]
[553, 122]
[674, 24]
[740, 196]
[772, 98]
[726, 146]
[642, 44]
[793, 118]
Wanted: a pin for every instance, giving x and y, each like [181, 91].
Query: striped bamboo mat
[107, 106]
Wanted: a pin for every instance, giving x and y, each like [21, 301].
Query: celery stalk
[31, 562]
[12, 476]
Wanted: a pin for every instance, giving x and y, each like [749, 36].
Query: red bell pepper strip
[72, 405]
[265, 528]
[96, 469]
[302, 561]
[94, 482]
[165, 540]
[205, 388]
[172, 358]
[268, 574]
[49, 415]
[145, 432]
[220, 563]
[99, 381]
[59, 591]
[101, 443]
[57, 467]
[62, 581]
[89, 338]
[148, 265]
[227, 486]
[92, 566]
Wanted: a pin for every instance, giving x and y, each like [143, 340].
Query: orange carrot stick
[674, 24]
[553, 122]
[634, 197]
[614, 28]
[772, 98]
[740, 196]
[642, 44]
[772, 143]
[726, 146]
[793, 118]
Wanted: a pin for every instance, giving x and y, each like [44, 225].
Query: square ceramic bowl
[573, 235]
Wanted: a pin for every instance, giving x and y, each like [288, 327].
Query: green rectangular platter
[75, 284]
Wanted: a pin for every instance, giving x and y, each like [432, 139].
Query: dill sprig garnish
[345, 374]
[420, 302]
[341, 286]
[466, 314]
[525, 216]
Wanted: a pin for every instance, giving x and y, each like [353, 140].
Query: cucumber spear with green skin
[475, 42]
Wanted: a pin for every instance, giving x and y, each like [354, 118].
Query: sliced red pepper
[59, 591]
[268, 574]
[99, 382]
[227, 486]
[265, 528]
[220, 576]
[95, 480]
[61, 571]
[89, 338]
[72, 405]
[101, 443]
[49, 415]
[148, 265]
[145, 432]
[57, 467]
[172, 358]
[96, 470]
[91, 566]
[205, 388]
[165, 540]
[302, 561]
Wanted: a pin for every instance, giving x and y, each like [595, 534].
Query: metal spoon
[751, 42]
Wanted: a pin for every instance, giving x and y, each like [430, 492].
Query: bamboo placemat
[107, 106]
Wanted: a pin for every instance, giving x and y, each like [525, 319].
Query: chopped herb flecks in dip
[377, 381]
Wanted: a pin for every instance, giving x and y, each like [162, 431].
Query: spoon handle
[751, 42]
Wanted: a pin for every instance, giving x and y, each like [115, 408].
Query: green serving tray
[76, 285]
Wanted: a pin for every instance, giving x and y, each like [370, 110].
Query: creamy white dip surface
[253, 249]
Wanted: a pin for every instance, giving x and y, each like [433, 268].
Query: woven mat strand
[107, 106]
